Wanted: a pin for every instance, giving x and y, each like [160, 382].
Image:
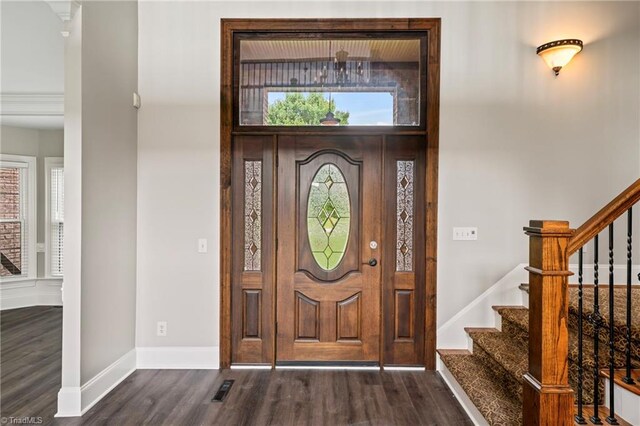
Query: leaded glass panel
[404, 218]
[328, 216]
[252, 215]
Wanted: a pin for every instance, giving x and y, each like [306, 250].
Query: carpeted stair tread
[620, 310]
[518, 315]
[509, 353]
[521, 318]
[495, 403]
[620, 306]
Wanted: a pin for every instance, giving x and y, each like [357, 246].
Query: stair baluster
[579, 415]
[611, 418]
[627, 377]
[596, 320]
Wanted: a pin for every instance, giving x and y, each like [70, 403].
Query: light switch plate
[465, 234]
[202, 245]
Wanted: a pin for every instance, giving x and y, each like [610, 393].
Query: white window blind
[56, 248]
[15, 223]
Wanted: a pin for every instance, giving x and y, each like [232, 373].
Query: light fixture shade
[329, 120]
[558, 53]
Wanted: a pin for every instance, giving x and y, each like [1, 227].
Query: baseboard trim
[105, 381]
[478, 313]
[468, 406]
[178, 358]
[36, 292]
[69, 404]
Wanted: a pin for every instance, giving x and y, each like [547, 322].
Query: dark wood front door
[329, 226]
[329, 249]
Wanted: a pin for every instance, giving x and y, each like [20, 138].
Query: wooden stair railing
[605, 217]
[547, 397]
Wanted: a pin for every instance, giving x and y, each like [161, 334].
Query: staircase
[551, 363]
[492, 374]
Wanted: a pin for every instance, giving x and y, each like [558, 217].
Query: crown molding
[31, 104]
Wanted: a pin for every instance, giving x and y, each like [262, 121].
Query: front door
[328, 228]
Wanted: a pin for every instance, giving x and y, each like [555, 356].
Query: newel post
[547, 397]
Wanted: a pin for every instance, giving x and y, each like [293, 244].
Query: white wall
[109, 158]
[39, 144]
[516, 143]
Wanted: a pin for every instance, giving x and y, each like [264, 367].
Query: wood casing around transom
[423, 140]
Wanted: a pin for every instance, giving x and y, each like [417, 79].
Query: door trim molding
[432, 114]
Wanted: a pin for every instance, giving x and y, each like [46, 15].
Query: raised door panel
[252, 314]
[307, 318]
[404, 315]
[349, 318]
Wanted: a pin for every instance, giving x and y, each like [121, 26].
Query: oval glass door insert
[328, 216]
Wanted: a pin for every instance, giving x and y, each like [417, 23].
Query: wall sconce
[559, 53]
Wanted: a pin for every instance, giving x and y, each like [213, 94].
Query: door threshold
[328, 365]
[251, 366]
[404, 368]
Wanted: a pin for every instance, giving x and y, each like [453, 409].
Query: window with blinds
[55, 241]
[17, 220]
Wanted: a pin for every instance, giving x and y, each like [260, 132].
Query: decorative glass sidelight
[252, 215]
[404, 218]
[328, 216]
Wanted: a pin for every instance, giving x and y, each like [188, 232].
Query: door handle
[371, 262]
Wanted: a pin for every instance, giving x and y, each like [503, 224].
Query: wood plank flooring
[281, 397]
[30, 379]
[30, 362]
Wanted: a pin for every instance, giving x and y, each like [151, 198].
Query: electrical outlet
[465, 234]
[161, 329]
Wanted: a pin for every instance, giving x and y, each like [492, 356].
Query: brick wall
[10, 232]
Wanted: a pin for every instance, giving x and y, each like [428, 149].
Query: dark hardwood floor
[30, 362]
[30, 379]
[282, 397]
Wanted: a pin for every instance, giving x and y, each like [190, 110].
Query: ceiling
[387, 50]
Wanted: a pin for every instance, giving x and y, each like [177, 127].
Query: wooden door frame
[430, 26]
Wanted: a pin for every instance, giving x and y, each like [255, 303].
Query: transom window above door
[330, 79]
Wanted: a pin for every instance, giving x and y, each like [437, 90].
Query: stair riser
[507, 379]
